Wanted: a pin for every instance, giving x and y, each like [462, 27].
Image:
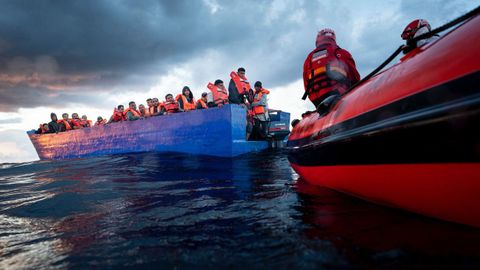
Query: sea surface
[170, 211]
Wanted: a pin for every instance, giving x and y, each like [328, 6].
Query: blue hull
[216, 132]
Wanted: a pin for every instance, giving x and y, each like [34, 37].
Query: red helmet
[413, 27]
[324, 36]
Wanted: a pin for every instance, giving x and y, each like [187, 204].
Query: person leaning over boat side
[85, 122]
[143, 111]
[328, 70]
[53, 126]
[117, 115]
[76, 121]
[239, 90]
[219, 94]
[65, 123]
[414, 29]
[100, 121]
[170, 106]
[202, 102]
[149, 103]
[186, 102]
[156, 108]
[132, 114]
[260, 110]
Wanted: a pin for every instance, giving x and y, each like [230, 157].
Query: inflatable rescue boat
[408, 137]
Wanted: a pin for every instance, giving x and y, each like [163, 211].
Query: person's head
[204, 96]
[45, 127]
[150, 102]
[132, 105]
[53, 116]
[412, 28]
[120, 108]
[155, 101]
[75, 115]
[84, 117]
[258, 85]
[141, 107]
[169, 98]
[186, 92]
[241, 72]
[65, 116]
[325, 35]
[295, 122]
[99, 119]
[219, 83]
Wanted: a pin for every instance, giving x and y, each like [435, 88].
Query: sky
[89, 56]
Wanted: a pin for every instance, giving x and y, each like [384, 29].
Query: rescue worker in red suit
[328, 70]
[414, 29]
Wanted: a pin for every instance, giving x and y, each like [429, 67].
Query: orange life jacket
[135, 113]
[151, 110]
[66, 123]
[202, 103]
[145, 113]
[117, 115]
[187, 106]
[258, 96]
[242, 84]
[171, 107]
[220, 96]
[101, 123]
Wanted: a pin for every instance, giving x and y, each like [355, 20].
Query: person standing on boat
[53, 126]
[239, 90]
[65, 123]
[132, 114]
[219, 94]
[118, 115]
[186, 102]
[414, 29]
[328, 70]
[260, 110]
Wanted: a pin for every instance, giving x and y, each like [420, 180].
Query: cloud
[16, 147]
[10, 120]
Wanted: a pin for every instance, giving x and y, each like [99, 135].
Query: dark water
[184, 212]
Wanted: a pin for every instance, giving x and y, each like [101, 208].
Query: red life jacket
[202, 103]
[171, 107]
[258, 96]
[220, 96]
[101, 123]
[135, 113]
[242, 84]
[144, 113]
[67, 123]
[324, 71]
[187, 106]
[117, 116]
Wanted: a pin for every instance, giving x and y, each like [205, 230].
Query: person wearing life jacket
[156, 108]
[202, 102]
[76, 121]
[53, 126]
[117, 115]
[143, 111]
[185, 101]
[43, 128]
[239, 90]
[219, 94]
[328, 70]
[260, 110]
[170, 105]
[149, 103]
[85, 122]
[414, 29]
[132, 114]
[100, 121]
[65, 123]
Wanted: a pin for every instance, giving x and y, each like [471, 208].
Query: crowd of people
[238, 92]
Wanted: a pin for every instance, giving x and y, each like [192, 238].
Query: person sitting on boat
[76, 121]
[219, 94]
[170, 106]
[239, 90]
[328, 70]
[100, 121]
[65, 123]
[53, 126]
[132, 114]
[42, 129]
[85, 122]
[260, 110]
[118, 115]
[186, 102]
[202, 102]
[414, 29]
[156, 108]
[143, 111]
